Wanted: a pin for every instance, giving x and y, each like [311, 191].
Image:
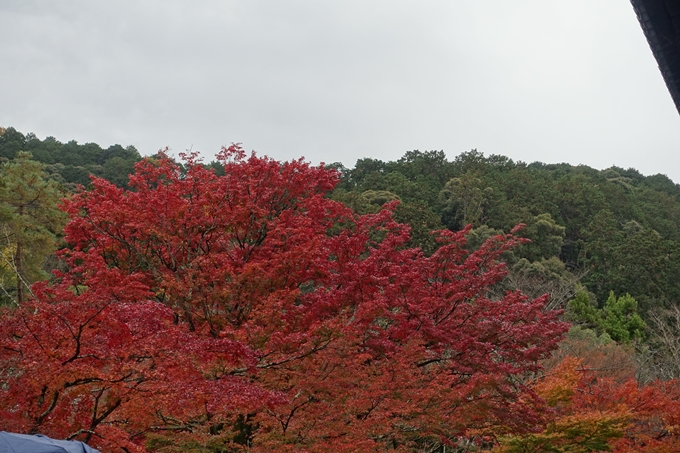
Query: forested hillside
[612, 230]
[71, 163]
[421, 305]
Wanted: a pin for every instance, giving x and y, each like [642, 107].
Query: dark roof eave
[660, 21]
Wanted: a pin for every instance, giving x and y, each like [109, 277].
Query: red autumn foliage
[654, 424]
[592, 412]
[250, 310]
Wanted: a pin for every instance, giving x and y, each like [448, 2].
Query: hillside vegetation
[611, 230]
[421, 305]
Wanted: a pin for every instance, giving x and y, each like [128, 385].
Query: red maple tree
[250, 310]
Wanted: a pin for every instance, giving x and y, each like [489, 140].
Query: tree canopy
[614, 230]
[30, 223]
[71, 163]
[414, 305]
[251, 309]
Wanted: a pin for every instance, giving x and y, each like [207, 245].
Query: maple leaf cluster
[249, 310]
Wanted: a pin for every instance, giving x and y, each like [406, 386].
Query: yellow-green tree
[465, 199]
[619, 317]
[30, 223]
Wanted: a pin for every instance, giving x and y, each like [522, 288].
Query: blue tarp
[25, 443]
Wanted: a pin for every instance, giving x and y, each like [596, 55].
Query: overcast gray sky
[550, 80]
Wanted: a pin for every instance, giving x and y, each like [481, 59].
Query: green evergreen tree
[621, 319]
[30, 222]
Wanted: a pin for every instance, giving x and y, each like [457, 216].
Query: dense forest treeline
[612, 230]
[71, 163]
[241, 304]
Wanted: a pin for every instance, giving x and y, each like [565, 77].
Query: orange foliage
[594, 413]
